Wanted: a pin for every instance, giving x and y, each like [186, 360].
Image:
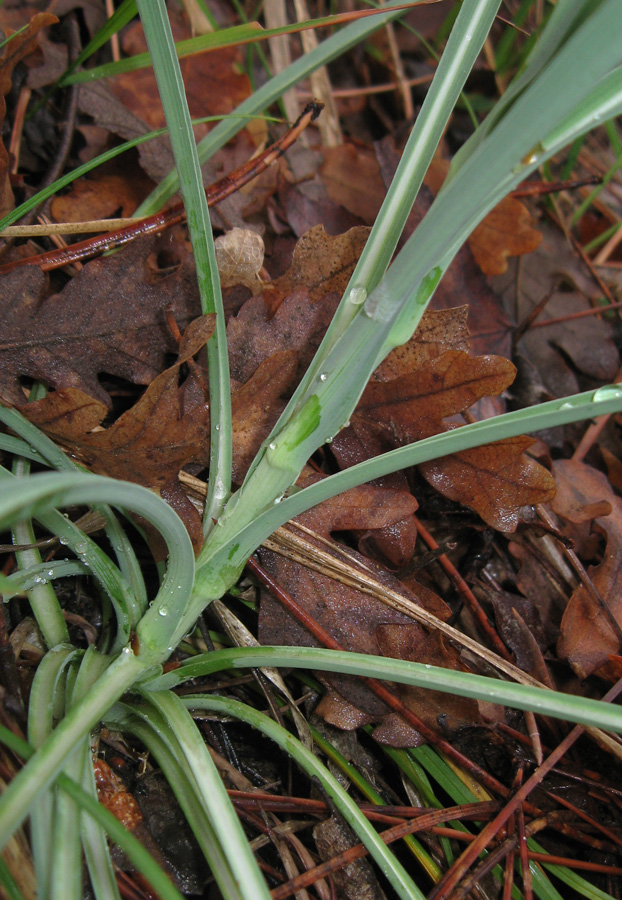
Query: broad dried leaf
[256, 406]
[13, 52]
[578, 345]
[361, 624]
[215, 83]
[239, 254]
[99, 197]
[298, 324]
[149, 443]
[496, 480]
[414, 406]
[321, 265]
[439, 330]
[588, 637]
[506, 231]
[352, 178]
[395, 542]
[109, 318]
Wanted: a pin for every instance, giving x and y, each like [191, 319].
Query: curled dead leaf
[239, 254]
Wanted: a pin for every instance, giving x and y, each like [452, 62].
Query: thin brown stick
[160, 221]
[445, 890]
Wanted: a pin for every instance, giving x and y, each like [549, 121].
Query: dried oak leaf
[589, 635]
[506, 230]
[495, 480]
[360, 622]
[576, 345]
[214, 82]
[256, 406]
[100, 197]
[149, 443]
[352, 178]
[322, 264]
[395, 542]
[109, 318]
[14, 50]
[298, 324]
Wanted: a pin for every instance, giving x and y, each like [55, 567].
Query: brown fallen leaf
[99, 197]
[394, 543]
[588, 636]
[15, 49]
[150, 442]
[253, 335]
[352, 178]
[109, 318]
[561, 351]
[215, 82]
[506, 230]
[495, 480]
[321, 265]
[360, 622]
[256, 406]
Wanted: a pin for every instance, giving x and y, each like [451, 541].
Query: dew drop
[566, 406]
[163, 611]
[357, 295]
[608, 392]
[272, 445]
[51, 572]
[323, 376]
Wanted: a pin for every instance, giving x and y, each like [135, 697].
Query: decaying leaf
[360, 622]
[496, 480]
[149, 443]
[109, 318]
[256, 406]
[352, 178]
[589, 635]
[321, 265]
[99, 197]
[14, 50]
[506, 231]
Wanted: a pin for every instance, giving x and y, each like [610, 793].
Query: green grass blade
[463, 47]
[237, 35]
[325, 52]
[171, 87]
[547, 415]
[540, 700]
[146, 724]
[131, 846]
[399, 879]
[213, 795]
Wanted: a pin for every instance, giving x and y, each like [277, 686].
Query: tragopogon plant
[544, 110]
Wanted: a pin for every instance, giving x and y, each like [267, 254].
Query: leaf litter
[127, 399]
